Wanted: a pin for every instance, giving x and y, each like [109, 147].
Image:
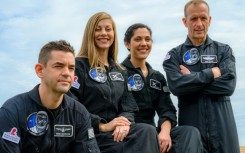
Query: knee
[191, 131]
[146, 128]
[194, 131]
[190, 138]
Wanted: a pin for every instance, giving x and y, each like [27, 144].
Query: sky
[26, 25]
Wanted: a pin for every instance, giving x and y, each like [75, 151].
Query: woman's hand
[111, 126]
[164, 138]
[120, 132]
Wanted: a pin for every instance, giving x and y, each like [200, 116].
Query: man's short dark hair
[46, 50]
[195, 2]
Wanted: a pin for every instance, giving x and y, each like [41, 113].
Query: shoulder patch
[12, 136]
[91, 133]
[168, 56]
[165, 89]
[75, 83]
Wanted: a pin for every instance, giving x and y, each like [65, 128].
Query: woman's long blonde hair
[89, 49]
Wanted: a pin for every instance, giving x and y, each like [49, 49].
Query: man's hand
[184, 70]
[216, 72]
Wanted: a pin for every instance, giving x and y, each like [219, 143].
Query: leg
[186, 139]
[107, 144]
[142, 139]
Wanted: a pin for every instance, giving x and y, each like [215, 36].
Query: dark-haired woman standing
[152, 95]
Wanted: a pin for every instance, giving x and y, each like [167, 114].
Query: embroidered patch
[11, 136]
[165, 89]
[155, 84]
[209, 59]
[63, 130]
[168, 56]
[75, 83]
[129, 88]
[191, 57]
[116, 76]
[37, 123]
[91, 133]
[136, 82]
[98, 75]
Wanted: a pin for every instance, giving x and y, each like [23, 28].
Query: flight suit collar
[189, 43]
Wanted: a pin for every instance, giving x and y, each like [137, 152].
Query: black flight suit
[28, 127]
[153, 95]
[203, 101]
[106, 96]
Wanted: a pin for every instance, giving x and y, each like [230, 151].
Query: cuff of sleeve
[209, 75]
[160, 122]
[96, 123]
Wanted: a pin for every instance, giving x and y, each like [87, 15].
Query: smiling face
[58, 74]
[197, 21]
[140, 44]
[104, 34]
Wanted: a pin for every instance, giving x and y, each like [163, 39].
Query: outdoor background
[26, 25]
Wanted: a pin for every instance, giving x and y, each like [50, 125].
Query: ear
[210, 18]
[184, 21]
[39, 70]
[127, 44]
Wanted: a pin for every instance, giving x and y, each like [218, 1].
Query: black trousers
[142, 138]
[186, 139]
